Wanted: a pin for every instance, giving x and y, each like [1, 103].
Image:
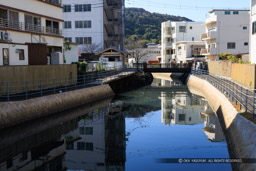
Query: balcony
[209, 36]
[211, 21]
[20, 26]
[114, 3]
[209, 51]
[53, 2]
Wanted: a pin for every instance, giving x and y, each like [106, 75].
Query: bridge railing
[234, 91]
[168, 65]
[22, 90]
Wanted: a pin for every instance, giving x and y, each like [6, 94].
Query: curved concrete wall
[240, 132]
[16, 112]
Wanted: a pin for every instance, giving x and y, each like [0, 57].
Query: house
[72, 55]
[189, 51]
[148, 54]
[252, 33]
[174, 32]
[112, 58]
[227, 31]
[30, 32]
[94, 24]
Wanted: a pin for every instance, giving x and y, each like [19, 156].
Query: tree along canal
[130, 132]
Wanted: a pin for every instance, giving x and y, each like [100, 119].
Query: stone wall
[240, 132]
[221, 68]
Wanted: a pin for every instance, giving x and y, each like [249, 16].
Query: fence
[232, 90]
[11, 90]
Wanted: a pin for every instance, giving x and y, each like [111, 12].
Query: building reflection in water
[212, 128]
[93, 141]
[180, 107]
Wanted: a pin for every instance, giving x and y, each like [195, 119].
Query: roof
[114, 49]
[227, 10]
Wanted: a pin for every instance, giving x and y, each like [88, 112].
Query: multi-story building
[94, 24]
[190, 51]
[252, 34]
[30, 32]
[174, 32]
[227, 31]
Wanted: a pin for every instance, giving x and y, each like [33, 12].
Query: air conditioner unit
[5, 36]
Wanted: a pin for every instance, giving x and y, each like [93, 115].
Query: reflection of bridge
[168, 67]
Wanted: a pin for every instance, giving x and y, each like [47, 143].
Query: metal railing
[232, 90]
[11, 24]
[54, 2]
[22, 90]
[168, 65]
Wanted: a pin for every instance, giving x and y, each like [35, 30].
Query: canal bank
[240, 133]
[16, 112]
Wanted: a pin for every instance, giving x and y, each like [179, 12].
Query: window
[182, 29]
[87, 7]
[32, 23]
[79, 24]
[80, 40]
[78, 8]
[21, 54]
[5, 56]
[87, 40]
[168, 31]
[193, 39]
[168, 52]
[191, 27]
[88, 130]
[80, 146]
[235, 12]
[68, 39]
[253, 27]
[245, 27]
[83, 7]
[181, 117]
[231, 45]
[87, 24]
[227, 12]
[67, 24]
[83, 24]
[246, 43]
[52, 27]
[89, 146]
[67, 8]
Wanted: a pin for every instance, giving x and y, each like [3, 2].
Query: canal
[133, 131]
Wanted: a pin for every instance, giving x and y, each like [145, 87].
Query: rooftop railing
[54, 2]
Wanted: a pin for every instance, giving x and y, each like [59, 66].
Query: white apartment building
[30, 32]
[190, 51]
[227, 31]
[174, 32]
[252, 44]
[94, 24]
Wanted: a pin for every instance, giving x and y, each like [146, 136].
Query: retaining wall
[12, 113]
[240, 132]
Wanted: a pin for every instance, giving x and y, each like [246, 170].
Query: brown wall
[18, 75]
[37, 54]
[244, 74]
[222, 68]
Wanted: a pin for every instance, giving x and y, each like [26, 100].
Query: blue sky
[196, 10]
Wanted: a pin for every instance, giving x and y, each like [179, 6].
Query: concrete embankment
[16, 112]
[240, 133]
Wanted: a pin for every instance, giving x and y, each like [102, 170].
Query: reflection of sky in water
[190, 136]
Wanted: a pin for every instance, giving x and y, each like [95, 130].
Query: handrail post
[26, 89]
[41, 88]
[65, 84]
[84, 79]
[253, 113]
[241, 98]
[7, 91]
[246, 101]
[54, 88]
